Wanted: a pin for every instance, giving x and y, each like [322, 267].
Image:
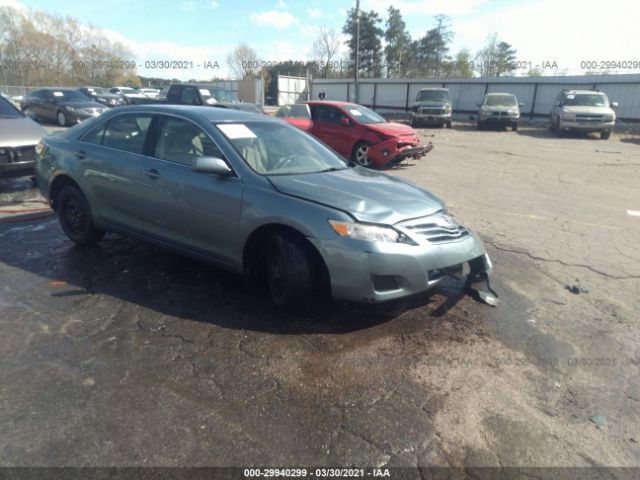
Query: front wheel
[361, 154]
[514, 127]
[289, 271]
[414, 122]
[605, 134]
[62, 118]
[448, 125]
[74, 214]
[30, 113]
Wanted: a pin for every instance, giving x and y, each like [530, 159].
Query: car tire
[360, 154]
[480, 125]
[61, 117]
[289, 271]
[552, 125]
[514, 127]
[605, 134]
[414, 122]
[74, 214]
[448, 125]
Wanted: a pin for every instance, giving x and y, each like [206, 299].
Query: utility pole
[357, 65]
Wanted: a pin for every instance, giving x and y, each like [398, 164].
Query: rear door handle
[81, 154]
[152, 173]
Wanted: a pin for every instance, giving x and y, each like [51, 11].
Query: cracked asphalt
[123, 354]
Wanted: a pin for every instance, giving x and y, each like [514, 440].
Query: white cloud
[13, 4]
[315, 13]
[281, 4]
[432, 7]
[273, 18]
[573, 33]
[191, 6]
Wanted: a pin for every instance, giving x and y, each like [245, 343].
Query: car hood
[589, 110]
[391, 128]
[17, 132]
[367, 195]
[81, 104]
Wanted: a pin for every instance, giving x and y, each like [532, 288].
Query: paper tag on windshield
[211, 101]
[236, 130]
[355, 113]
[571, 96]
[204, 91]
[58, 94]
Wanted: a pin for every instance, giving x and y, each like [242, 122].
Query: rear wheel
[289, 271]
[74, 214]
[448, 124]
[361, 154]
[605, 134]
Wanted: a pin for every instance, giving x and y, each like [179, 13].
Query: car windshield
[69, 95]
[364, 115]
[586, 100]
[276, 149]
[218, 94]
[500, 101]
[433, 95]
[7, 110]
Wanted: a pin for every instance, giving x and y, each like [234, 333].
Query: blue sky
[541, 30]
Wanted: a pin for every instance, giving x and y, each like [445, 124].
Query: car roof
[208, 85]
[584, 91]
[212, 114]
[434, 88]
[500, 93]
[333, 103]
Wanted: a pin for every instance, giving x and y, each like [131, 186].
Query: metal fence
[537, 93]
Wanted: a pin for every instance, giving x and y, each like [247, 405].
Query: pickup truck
[206, 95]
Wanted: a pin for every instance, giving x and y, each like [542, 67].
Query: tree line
[38, 48]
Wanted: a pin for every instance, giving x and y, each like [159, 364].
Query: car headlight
[72, 109]
[609, 118]
[568, 115]
[447, 109]
[367, 232]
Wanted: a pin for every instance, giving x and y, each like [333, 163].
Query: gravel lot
[123, 354]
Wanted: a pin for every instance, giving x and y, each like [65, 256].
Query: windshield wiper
[331, 169]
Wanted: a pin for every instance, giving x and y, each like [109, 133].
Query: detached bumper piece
[477, 283]
[414, 152]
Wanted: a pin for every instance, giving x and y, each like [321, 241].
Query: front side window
[127, 132]
[276, 149]
[182, 142]
[95, 135]
[327, 114]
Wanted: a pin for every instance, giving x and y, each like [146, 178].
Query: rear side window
[181, 141]
[127, 132]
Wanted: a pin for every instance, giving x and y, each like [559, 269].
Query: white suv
[584, 110]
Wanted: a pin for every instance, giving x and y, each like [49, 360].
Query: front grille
[589, 118]
[17, 154]
[431, 111]
[439, 228]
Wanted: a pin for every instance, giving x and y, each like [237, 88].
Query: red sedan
[360, 134]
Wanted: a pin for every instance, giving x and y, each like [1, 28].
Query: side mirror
[345, 121]
[211, 165]
[557, 104]
[521, 104]
[614, 104]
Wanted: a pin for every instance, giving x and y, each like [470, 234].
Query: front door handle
[81, 154]
[152, 173]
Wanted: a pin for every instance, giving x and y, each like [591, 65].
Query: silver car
[499, 110]
[18, 137]
[257, 196]
[583, 110]
[432, 107]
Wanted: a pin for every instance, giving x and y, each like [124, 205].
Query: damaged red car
[360, 134]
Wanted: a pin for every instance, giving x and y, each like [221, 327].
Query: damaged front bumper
[379, 272]
[389, 153]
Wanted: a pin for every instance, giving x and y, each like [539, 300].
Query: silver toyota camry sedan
[254, 195]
